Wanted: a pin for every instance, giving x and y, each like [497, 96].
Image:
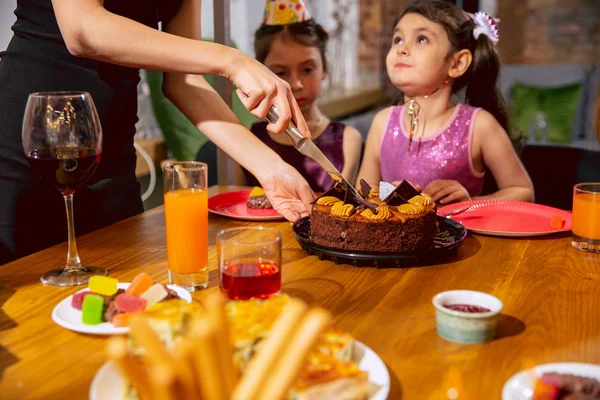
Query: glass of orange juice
[586, 216]
[186, 220]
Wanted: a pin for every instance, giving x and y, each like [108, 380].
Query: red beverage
[245, 279]
[67, 168]
[467, 308]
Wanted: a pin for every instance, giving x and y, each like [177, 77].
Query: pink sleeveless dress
[445, 155]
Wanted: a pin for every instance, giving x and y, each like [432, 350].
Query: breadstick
[205, 357]
[142, 333]
[187, 389]
[273, 347]
[215, 304]
[164, 379]
[130, 368]
[288, 365]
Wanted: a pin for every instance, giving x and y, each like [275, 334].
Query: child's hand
[446, 191]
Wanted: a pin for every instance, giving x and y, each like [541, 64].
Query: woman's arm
[352, 147]
[370, 169]
[199, 102]
[90, 31]
[498, 154]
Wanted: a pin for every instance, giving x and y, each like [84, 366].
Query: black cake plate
[449, 236]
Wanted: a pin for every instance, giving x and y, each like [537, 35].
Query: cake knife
[310, 150]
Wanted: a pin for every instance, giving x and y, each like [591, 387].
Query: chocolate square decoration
[403, 192]
[340, 192]
[365, 188]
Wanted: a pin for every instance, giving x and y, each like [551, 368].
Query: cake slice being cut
[257, 199]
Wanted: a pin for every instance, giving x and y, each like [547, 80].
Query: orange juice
[186, 218]
[586, 215]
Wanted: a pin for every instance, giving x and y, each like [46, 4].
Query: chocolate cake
[404, 220]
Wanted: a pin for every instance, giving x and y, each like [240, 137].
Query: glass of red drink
[249, 262]
[62, 140]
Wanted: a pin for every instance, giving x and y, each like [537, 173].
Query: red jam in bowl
[467, 308]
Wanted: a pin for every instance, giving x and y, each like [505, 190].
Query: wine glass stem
[73, 262]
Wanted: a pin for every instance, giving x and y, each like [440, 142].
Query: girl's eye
[308, 70]
[279, 73]
[422, 40]
[396, 40]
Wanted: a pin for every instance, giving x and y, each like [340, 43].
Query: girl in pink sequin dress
[437, 50]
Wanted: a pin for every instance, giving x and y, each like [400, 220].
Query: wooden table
[550, 292]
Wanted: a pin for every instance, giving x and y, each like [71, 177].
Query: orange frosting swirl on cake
[374, 192]
[328, 201]
[411, 209]
[423, 200]
[342, 209]
[383, 213]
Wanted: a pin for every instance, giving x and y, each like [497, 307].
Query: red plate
[233, 205]
[508, 218]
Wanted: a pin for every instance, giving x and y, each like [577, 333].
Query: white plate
[68, 317]
[520, 386]
[108, 384]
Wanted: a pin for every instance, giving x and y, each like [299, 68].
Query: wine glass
[62, 139]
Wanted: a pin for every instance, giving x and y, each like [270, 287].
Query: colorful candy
[92, 309]
[121, 320]
[103, 285]
[156, 293]
[140, 284]
[129, 303]
[556, 222]
[77, 299]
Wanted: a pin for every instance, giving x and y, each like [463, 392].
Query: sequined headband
[485, 25]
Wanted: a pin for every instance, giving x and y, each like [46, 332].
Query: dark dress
[32, 213]
[330, 143]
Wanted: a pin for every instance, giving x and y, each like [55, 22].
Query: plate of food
[338, 364]
[105, 305]
[251, 205]
[554, 382]
[509, 218]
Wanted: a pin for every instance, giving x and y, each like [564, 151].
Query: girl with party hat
[292, 45]
[444, 147]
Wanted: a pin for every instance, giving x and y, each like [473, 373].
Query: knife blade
[310, 150]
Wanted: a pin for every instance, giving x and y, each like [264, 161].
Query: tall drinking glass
[186, 220]
[586, 217]
[62, 139]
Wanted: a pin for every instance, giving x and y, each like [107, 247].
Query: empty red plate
[508, 218]
[233, 205]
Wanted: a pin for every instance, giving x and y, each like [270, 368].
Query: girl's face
[418, 61]
[299, 65]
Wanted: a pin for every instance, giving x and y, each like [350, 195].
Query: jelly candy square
[129, 303]
[77, 299]
[103, 285]
[140, 284]
[92, 309]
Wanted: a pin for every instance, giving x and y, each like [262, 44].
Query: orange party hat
[284, 12]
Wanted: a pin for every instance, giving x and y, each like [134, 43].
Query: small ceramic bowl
[466, 327]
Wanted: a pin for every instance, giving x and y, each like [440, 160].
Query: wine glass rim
[60, 93]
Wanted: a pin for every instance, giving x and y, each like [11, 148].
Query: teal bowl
[462, 326]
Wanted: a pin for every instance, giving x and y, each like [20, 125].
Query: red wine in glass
[66, 168]
[62, 139]
[245, 279]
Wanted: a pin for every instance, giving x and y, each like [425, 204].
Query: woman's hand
[259, 88]
[446, 191]
[289, 193]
